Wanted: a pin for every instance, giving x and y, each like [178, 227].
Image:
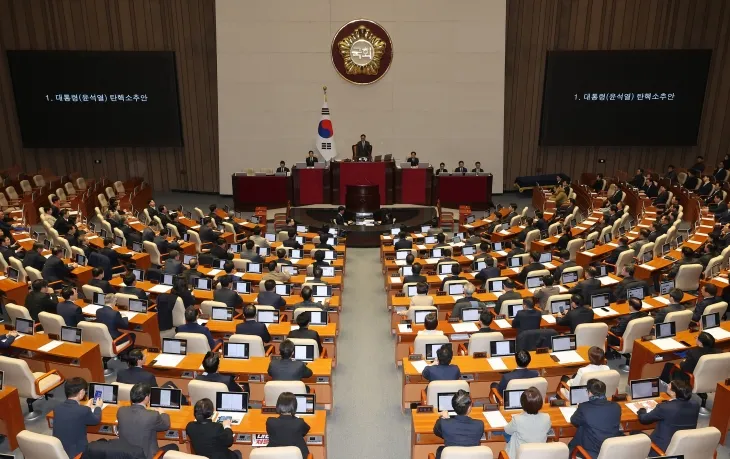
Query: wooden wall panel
[184, 26]
[533, 28]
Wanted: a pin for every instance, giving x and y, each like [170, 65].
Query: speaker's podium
[362, 199]
[379, 175]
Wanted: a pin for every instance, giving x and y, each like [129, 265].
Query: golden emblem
[362, 51]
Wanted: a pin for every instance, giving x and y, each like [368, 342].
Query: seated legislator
[138, 425]
[275, 273]
[532, 266]
[211, 361]
[597, 419]
[281, 257]
[587, 286]
[55, 269]
[489, 272]
[303, 332]
[225, 295]
[442, 169]
[415, 274]
[269, 297]
[249, 326]
[307, 302]
[597, 359]
[319, 259]
[70, 311]
[578, 314]
[130, 289]
[282, 167]
[442, 369]
[208, 438]
[413, 160]
[7, 340]
[523, 359]
[468, 301]
[163, 245]
[618, 330]
[97, 280]
[135, 373]
[191, 325]
[705, 345]
[363, 148]
[461, 168]
[70, 418]
[250, 253]
[461, 430]
[33, 258]
[530, 426]
[430, 325]
[671, 416]
[292, 241]
[485, 320]
[402, 242]
[708, 293]
[675, 305]
[478, 167]
[543, 294]
[528, 318]
[509, 294]
[287, 369]
[287, 429]
[112, 318]
[173, 264]
[421, 298]
[455, 275]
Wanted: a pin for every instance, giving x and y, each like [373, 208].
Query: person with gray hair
[461, 430]
[468, 301]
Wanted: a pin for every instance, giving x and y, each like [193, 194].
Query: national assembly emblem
[362, 51]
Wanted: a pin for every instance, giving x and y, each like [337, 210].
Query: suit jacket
[195, 327]
[661, 314]
[114, 256]
[34, 260]
[112, 449]
[403, 244]
[408, 279]
[701, 305]
[627, 283]
[662, 198]
[165, 305]
[522, 276]
[69, 426]
[459, 431]
[6, 341]
[575, 317]
[287, 430]
[55, 270]
[7, 252]
[208, 235]
[210, 439]
[519, 373]
[228, 380]
[173, 267]
[37, 302]
[113, 321]
[131, 290]
[288, 370]
[670, 416]
[163, 245]
[527, 319]
[270, 299]
[596, 421]
[598, 185]
[442, 373]
[310, 161]
[488, 273]
[102, 284]
[292, 243]
[616, 198]
[461, 169]
[306, 333]
[705, 189]
[513, 295]
[229, 297]
[693, 357]
[251, 327]
[70, 312]
[691, 182]
[135, 375]
[586, 288]
[412, 161]
[720, 208]
[62, 226]
[363, 150]
[138, 426]
[559, 270]
[620, 328]
[148, 235]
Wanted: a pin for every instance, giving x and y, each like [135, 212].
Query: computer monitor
[429, 240]
[665, 330]
[621, 231]
[242, 287]
[81, 260]
[710, 320]
[402, 254]
[470, 219]
[13, 274]
[545, 257]
[332, 231]
[108, 393]
[255, 219]
[331, 241]
[270, 237]
[635, 292]
[138, 306]
[305, 404]
[559, 306]
[436, 253]
[648, 256]
[497, 246]
[512, 399]
[444, 402]
[24, 326]
[220, 313]
[218, 263]
[412, 291]
[267, 316]
[264, 251]
[296, 254]
[515, 262]
[329, 254]
[644, 388]
[456, 289]
[470, 314]
[118, 240]
[328, 271]
[431, 350]
[665, 287]
[167, 279]
[302, 229]
[534, 282]
[602, 271]
[425, 228]
[231, 402]
[137, 247]
[304, 352]
[187, 258]
[419, 316]
[290, 269]
[165, 398]
[570, 276]
[666, 248]
[502, 348]
[202, 283]
[607, 237]
[71, 335]
[186, 237]
[174, 346]
[235, 248]
[468, 250]
[102, 234]
[98, 298]
[513, 309]
[283, 289]
[235, 350]
[406, 270]
[322, 290]
[578, 394]
[495, 285]
[478, 265]
[600, 300]
[591, 243]
[254, 268]
[318, 317]
[445, 269]
[563, 343]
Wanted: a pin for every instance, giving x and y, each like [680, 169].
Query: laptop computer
[602, 271]
[235, 248]
[394, 231]
[231, 406]
[304, 352]
[412, 291]
[708, 321]
[318, 318]
[437, 253]
[202, 283]
[242, 287]
[665, 330]
[502, 348]
[168, 399]
[322, 290]
[569, 277]
[167, 279]
[432, 349]
[468, 250]
[559, 306]
[456, 289]
[267, 316]
[497, 246]
[512, 399]
[290, 269]
[406, 270]
[328, 271]
[138, 306]
[513, 309]
[446, 269]
[635, 292]
[495, 285]
[24, 326]
[270, 237]
[534, 282]
[578, 394]
[515, 262]
[478, 265]
[118, 240]
[235, 350]
[648, 256]
[644, 388]
[545, 257]
[71, 335]
[419, 316]
[302, 229]
[98, 299]
[254, 268]
[665, 287]
[600, 300]
[137, 247]
[305, 404]
[219, 313]
[563, 343]
[264, 251]
[591, 243]
[470, 315]
[81, 260]
[108, 393]
[283, 289]
[402, 254]
[444, 402]
[174, 346]
[13, 274]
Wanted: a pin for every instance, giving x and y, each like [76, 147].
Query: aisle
[366, 422]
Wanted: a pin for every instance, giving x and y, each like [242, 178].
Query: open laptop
[570, 276]
[444, 402]
[495, 285]
[512, 399]
[218, 263]
[305, 404]
[167, 279]
[602, 271]
[478, 265]
[328, 271]
[419, 316]
[497, 246]
[242, 287]
[270, 237]
[431, 350]
[648, 256]
[406, 270]
[446, 269]
[174, 346]
[168, 399]
[402, 254]
[468, 250]
[13, 274]
[138, 306]
[283, 289]
[302, 229]
[470, 314]
[644, 388]
[235, 350]
[108, 393]
[394, 231]
[304, 352]
[24, 326]
[436, 253]
[563, 343]
[600, 300]
[534, 282]
[235, 248]
[513, 309]
[665, 330]
[708, 321]
[456, 289]
[71, 335]
[231, 406]
[203, 283]
[545, 257]
[254, 268]
[264, 251]
[137, 247]
[219, 313]
[559, 306]
[318, 318]
[412, 290]
[635, 292]
[81, 260]
[515, 262]
[98, 298]
[578, 394]
[267, 316]
[591, 243]
[502, 348]
[665, 287]
[290, 269]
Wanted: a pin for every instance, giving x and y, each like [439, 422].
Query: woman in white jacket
[530, 426]
[596, 356]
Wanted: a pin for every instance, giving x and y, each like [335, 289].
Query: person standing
[311, 159]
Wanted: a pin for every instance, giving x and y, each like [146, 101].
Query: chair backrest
[694, 443]
[419, 344]
[514, 221]
[102, 200]
[195, 239]
[555, 450]
[25, 186]
[38, 446]
[460, 281]
[61, 194]
[70, 190]
[16, 311]
[539, 383]
[151, 248]
[533, 235]
[39, 180]
[479, 342]
[178, 313]
[279, 452]
[507, 303]
[467, 452]
[710, 370]
[199, 390]
[240, 264]
[99, 334]
[688, 277]
[172, 229]
[17, 264]
[626, 447]
[537, 273]
[199, 213]
[197, 342]
[658, 244]
[206, 307]
[570, 269]
[33, 273]
[272, 390]
[124, 390]
[435, 388]
[646, 248]
[89, 290]
[573, 247]
[305, 342]
[302, 310]
[3, 263]
[591, 334]
[712, 264]
[592, 236]
[553, 229]
[122, 299]
[624, 258]
[81, 183]
[720, 307]
[18, 375]
[12, 194]
[611, 378]
[635, 330]
[119, 187]
[681, 319]
[255, 344]
[51, 323]
[411, 313]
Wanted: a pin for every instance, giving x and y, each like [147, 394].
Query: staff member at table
[363, 149]
[477, 167]
[442, 169]
[413, 161]
[461, 167]
[311, 159]
[282, 167]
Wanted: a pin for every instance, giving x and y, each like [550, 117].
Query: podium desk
[456, 190]
[11, 415]
[362, 173]
[251, 191]
[310, 185]
[254, 371]
[720, 418]
[253, 423]
[414, 185]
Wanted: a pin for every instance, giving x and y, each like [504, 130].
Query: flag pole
[324, 88]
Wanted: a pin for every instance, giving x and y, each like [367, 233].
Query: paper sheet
[721, 279]
[516, 270]
[457, 297]
[421, 247]
[649, 267]
[612, 244]
[91, 309]
[718, 333]
[468, 226]
[601, 312]
[549, 318]
[400, 262]
[606, 280]
[395, 279]
[502, 323]
[128, 314]
[667, 344]
[464, 327]
[419, 365]
[562, 289]
[403, 328]
[549, 266]
[214, 272]
[661, 299]
[470, 257]
[588, 253]
[646, 404]
[568, 357]
[205, 321]
[645, 305]
[504, 232]
[24, 240]
[496, 363]
[495, 419]
[387, 237]
[567, 412]
[432, 261]
[442, 277]
[50, 346]
[161, 288]
[502, 252]
[168, 360]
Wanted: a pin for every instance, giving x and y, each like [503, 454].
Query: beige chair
[172, 229]
[626, 447]
[573, 246]
[710, 370]
[279, 452]
[17, 264]
[539, 383]
[506, 304]
[51, 323]
[538, 273]
[626, 257]
[3, 263]
[635, 330]
[479, 342]
[124, 390]
[26, 187]
[81, 184]
[681, 319]
[178, 313]
[109, 192]
[503, 279]
[62, 195]
[658, 244]
[435, 388]
[419, 344]
[206, 307]
[89, 290]
[195, 240]
[38, 446]
[301, 310]
[715, 264]
[181, 455]
[411, 311]
[119, 188]
[255, 344]
[272, 390]
[555, 450]
[102, 201]
[16, 311]
[197, 343]
[122, 299]
[405, 286]
[198, 213]
[720, 307]
[576, 269]
[693, 443]
[70, 190]
[611, 378]
[240, 264]
[307, 342]
[110, 348]
[154, 252]
[533, 235]
[12, 194]
[147, 219]
[553, 229]
[33, 273]
[39, 180]
[454, 282]
[591, 335]
[688, 277]
[31, 385]
[465, 452]
[199, 390]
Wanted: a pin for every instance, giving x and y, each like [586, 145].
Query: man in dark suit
[402, 242]
[523, 359]
[578, 314]
[282, 167]
[615, 198]
[33, 257]
[688, 258]
[532, 266]
[148, 234]
[226, 295]
[520, 239]
[135, 373]
[692, 180]
[307, 302]
[566, 262]
[509, 294]
[304, 332]
[485, 320]
[269, 297]
[287, 369]
[7, 250]
[629, 282]
[461, 430]
[455, 275]
[163, 245]
[311, 159]
[55, 269]
[138, 425]
[363, 149]
[62, 224]
[708, 293]
[98, 281]
[70, 311]
[442, 369]
[623, 245]
[489, 272]
[115, 258]
[292, 241]
[706, 188]
[597, 419]
[211, 361]
[528, 318]
[638, 180]
[720, 208]
[541, 223]
[461, 168]
[699, 166]
[130, 289]
[151, 209]
[173, 265]
[598, 184]
[250, 327]
[40, 299]
[220, 251]
[112, 318]
[71, 418]
[281, 257]
[192, 326]
[208, 233]
[671, 174]
[619, 329]
[413, 160]
[662, 196]
[478, 167]
[710, 199]
[675, 305]
[679, 413]
[589, 285]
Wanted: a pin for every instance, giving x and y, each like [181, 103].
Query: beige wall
[442, 97]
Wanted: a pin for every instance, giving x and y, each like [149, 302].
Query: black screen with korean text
[96, 99]
[614, 98]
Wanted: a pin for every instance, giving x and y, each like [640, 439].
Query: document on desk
[432, 261]
[549, 318]
[667, 344]
[567, 412]
[48, 347]
[502, 323]
[470, 257]
[457, 297]
[612, 244]
[442, 276]
[161, 288]
[465, 327]
[648, 267]
[395, 279]
[495, 419]
[421, 247]
[404, 328]
[168, 360]
[604, 312]
[387, 237]
[588, 253]
[568, 357]
[129, 315]
[400, 262]
[562, 289]
[91, 309]
[718, 333]
[721, 279]
[516, 270]
[496, 363]
[648, 405]
[661, 299]
[205, 321]
[419, 365]
[24, 240]
[196, 227]
[605, 280]
[504, 233]
[214, 272]
[502, 253]
[549, 266]
[468, 226]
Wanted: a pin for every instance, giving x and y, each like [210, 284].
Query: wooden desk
[254, 371]
[720, 416]
[11, 415]
[146, 327]
[69, 359]
[299, 279]
[254, 422]
[15, 292]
